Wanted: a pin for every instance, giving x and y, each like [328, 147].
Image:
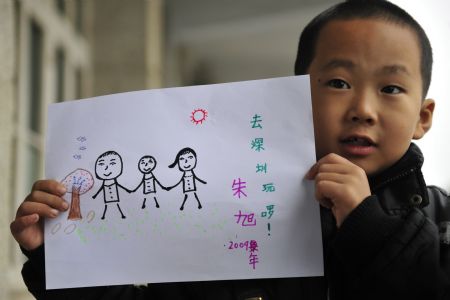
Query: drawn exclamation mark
[268, 228]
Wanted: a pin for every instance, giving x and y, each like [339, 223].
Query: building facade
[53, 51]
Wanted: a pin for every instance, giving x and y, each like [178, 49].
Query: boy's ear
[425, 120]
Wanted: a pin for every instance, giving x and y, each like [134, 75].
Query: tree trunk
[75, 212]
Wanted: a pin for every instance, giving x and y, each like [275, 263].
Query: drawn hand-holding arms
[162, 186]
[174, 186]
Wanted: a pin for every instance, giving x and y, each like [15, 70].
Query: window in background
[33, 165]
[78, 16]
[60, 64]
[35, 77]
[34, 105]
[61, 6]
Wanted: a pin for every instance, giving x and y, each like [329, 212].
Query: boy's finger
[329, 158]
[334, 168]
[30, 208]
[323, 166]
[333, 177]
[329, 163]
[51, 200]
[50, 186]
[312, 172]
[21, 223]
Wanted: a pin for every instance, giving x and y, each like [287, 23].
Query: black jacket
[394, 245]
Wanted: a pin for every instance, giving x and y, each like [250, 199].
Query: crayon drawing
[77, 183]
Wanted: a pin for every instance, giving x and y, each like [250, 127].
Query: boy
[370, 67]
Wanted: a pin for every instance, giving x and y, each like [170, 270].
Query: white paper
[254, 143]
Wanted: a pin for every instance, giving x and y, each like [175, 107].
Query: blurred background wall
[60, 50]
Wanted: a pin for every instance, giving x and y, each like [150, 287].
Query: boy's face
[367, 92]
[108, 167]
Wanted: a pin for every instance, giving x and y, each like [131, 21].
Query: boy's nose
[363, 110]
[363, 119]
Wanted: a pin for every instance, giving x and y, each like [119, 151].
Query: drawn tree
[78, 182]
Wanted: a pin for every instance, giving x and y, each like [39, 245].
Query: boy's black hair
[359, 9]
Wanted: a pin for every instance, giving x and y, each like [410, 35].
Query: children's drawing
[146, 165]
[229, 135]
[198, 116]
[77, 183]
[80, 147]
[108, 168]
[69, 229]
[187, 161]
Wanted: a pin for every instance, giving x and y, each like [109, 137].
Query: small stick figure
[108, 167]
[187, 160]
[146, 165]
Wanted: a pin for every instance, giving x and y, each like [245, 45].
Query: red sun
[198, 116]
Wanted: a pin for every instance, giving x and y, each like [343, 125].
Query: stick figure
[108, 167]
[187, 160]
[146, 165]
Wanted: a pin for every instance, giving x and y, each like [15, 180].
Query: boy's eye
[112, 164]
[392, 89]
[338, 84]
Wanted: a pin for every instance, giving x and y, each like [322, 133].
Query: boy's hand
[340, 185]
[44, 201]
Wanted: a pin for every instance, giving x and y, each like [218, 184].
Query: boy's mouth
[358, 141]
[358, 145]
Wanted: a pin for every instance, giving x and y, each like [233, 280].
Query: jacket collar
[402, 186]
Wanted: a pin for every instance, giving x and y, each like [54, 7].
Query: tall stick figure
[108, 167]
[186, 160]
[146, 165]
